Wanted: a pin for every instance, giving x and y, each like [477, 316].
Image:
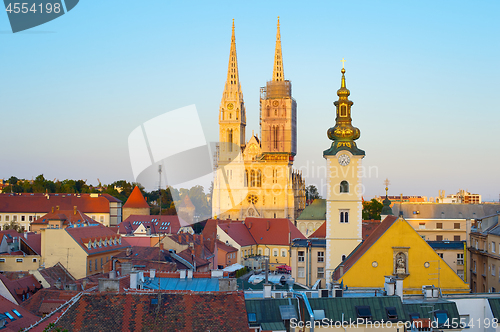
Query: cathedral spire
[278, 73]
[233, 81]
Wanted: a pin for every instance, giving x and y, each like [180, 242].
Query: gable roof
[84, 235]
[239, 232]
[170, 224]
[148, 258]
[38, 202]
[17, 323]
[365, 245]
[68, 217]
[320, 233]
[140, 312]
[19, 287]
[278, 231]
[56, 273]
[136, 200]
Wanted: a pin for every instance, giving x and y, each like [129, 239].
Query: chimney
[74, 209]
[133, 280]
[179, 237]
[129, 251]
[182, 274]
[52, 209]
[190, 274]
[57, 207]
[152, 273]
[161, 246]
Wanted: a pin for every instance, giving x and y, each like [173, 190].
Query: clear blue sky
[424, 78]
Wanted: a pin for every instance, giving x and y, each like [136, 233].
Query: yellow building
[344, 188]
[82, 251]
[308, 261]
[396, 249]
[255, 178]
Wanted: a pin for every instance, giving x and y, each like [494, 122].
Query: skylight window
[17, 313]
[364, 311]
[441, 316]
[252, 317]
[391, 313]
[9, 315]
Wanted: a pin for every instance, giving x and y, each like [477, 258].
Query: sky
[423, 76]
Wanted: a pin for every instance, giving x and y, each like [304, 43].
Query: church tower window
[343, 110]
[344, 216]
[344, 187]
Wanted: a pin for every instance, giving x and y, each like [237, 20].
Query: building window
[344, 216]
[260, 252]
[493, 269]
[439, 238]
[34, 260]
[30, 218]
[456, 225]
[19, 260]
[101, 219]
[6, 218]
[23, 218]
[493, 246]
[321, 272]
[421, 225]
[440, 254]
[363, 312]
[460, 259]
[90, 265]
[461, 274]
[14, 218]
[301, 256]
[439, 225]
[343, 258]
[283, 253]
[321, 256]
[2, 260]
[475, 267]
[344, 187]
[300, 272]
[275, 252]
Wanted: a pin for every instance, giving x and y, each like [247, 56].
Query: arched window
[343, 258]
[245, 180]
[343, 110]
[344, 186]
[259, 179]
[253, 179]
[344, 216]
[230, 139]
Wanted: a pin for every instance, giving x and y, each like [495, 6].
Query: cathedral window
[230, 139]
[245, 180]
[253, 178]
[344, 187]
[344, 216]
[259, 179]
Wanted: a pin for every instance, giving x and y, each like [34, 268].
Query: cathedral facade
[255, 178]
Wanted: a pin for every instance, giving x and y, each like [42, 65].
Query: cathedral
[255, 178]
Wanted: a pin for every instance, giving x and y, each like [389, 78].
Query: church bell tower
[344, 187]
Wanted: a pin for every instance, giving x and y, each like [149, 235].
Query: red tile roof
[19, 287]
[136, 200]
[227, 248]
[137, 241]
[10, 234]
[168, 224]
[150, 258]
[210, 234]
[320, 233]
[46, 300]
[365, 245]
[218, 311]
[34, 241]
[36, 203]
[18, 323]
[57, 273]
[278, 231]
[84, 235]
[68, 217]
[238, 232]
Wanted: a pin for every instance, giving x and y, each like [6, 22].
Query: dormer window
[364, 311]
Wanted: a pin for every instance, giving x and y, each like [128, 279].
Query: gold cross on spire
[387, 183]
[343, 62]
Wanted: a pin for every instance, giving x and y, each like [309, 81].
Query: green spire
[386, 210]
[343, 134]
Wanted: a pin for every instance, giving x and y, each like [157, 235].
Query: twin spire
[278, 73]
[233, 82]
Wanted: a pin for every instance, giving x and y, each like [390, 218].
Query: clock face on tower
[230, 106]
[344, 160]
[275, 103]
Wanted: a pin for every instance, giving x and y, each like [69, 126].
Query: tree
[14, 225]
[312, 192]
[372, 209]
